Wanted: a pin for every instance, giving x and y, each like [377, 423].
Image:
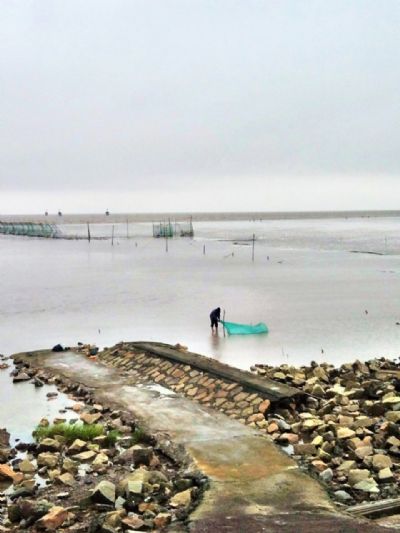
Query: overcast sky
[192, 105]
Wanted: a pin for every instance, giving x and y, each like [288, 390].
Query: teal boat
[244, 329]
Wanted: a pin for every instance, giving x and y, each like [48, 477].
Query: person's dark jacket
[215, 314]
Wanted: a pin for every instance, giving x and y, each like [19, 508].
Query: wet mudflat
[305, 283]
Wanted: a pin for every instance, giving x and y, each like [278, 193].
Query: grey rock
[342, 496]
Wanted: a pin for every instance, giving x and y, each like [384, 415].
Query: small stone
[6, 472]
[48, 459]
[49, 445]
[27, 467]
[104, 492]
[88, 418]
[66, 479]
[22, 376]
[101, 459]
[318, 440]
[85, 456]
[311, 424]
[363, 451]
[290, 438]
[162, 520]
[273, 427]
[342, 496]
[367, 485]
[357, 475]
[346, 466]
[77, 446]
[53, 519]
[385, 474]
[391, 400]
[264, 406]
[319, 466]
[133, 522]
[305, 449]
[134, 488]
[326, 475]
[380, 461]
[345, 433]
[181, 499]
[70, 466]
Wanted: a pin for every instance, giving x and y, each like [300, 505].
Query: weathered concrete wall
[241, 398]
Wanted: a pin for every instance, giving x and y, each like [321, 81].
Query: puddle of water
[162, 391]
[23, 405]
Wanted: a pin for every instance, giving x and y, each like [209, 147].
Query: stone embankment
[111, 478]
[345, 429]
[236, 393]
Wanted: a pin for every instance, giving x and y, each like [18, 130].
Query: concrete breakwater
[252, 485]
[236, 393]
[341, 424]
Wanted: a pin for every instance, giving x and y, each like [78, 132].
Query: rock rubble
[344, 429]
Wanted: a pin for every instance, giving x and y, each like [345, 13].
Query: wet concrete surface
[254, 486]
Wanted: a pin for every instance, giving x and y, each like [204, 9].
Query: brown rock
[181, 499]
[319, 466]
[162, 520]
[133, 521]
[305, 449]
[6, 472]
[344, 433]
[77, 446]
[264, 406]
[48, 459]
[27, 467]
[273, 427]
[88, 418]
[363, 451]
[380, 461]
[85, 456]
[290, 438]
[53, 519]
[66, 479]
[357, 475]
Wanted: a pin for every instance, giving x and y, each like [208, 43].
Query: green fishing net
[244, 329]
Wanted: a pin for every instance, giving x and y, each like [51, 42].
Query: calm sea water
[320, 300]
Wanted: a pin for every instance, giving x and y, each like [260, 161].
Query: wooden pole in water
[88, 232]
[112, 236]
[204, 249]
[252, 252]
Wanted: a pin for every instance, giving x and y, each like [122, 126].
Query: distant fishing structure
[30, 229]
[168, 229]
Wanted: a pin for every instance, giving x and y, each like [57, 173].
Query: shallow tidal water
[319, 299]
[23, 405]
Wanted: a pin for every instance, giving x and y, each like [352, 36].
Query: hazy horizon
[199, 106]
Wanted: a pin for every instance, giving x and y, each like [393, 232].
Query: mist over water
[305, 283]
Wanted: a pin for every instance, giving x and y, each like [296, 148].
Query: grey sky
[199, 105]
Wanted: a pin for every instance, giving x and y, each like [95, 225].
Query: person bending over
[215, 316]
